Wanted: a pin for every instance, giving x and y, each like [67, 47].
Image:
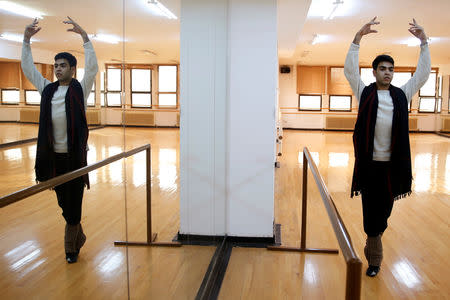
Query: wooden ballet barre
[354, 264]
[51, 183]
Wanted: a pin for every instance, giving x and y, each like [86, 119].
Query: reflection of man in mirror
[63, 130]
[382, 170]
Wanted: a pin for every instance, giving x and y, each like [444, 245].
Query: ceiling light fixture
[21, 10]
[332, 10]
[12, 37]
[160, 9]
[319, 38]
[107, 38]
[413, 41]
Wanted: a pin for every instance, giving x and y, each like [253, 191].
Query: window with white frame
[439, 105]
[367, 76]
[102, 88]
[429, 88]
[167, 86]
[427, 104]
[310, 102]
[340, 103]
[80, 74]
[32, 97]
[91, 97]
[113, 86]
[11, 96]
[440, 86]
[141, 87]
[400, 78]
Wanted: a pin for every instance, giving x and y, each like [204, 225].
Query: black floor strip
[15, 143]
[444, 134]
[212, 281]
[26, 141]
[96, 127]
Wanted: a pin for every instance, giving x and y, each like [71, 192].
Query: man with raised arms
[63, 130]
[382, 171]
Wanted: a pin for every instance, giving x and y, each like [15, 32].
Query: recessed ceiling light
[319, 38]
[21, 10]
[107, 38]
[328, 9]
[159, 9]
[12, 37]
[413, 41]
[332, 10]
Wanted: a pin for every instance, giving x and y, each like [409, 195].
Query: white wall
[203, 66]
[252, 107]
[9, 114]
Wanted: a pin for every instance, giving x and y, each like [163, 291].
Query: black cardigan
[77, 131]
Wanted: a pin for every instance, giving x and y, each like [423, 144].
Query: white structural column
[228, 99]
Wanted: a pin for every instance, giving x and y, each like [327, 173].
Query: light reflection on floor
[338, 159]
[167, 169]
[310, 273]
[109, 263]
[25, 258]
[12, 154]
[404, 272]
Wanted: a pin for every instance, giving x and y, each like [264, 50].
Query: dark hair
[380, 58]
[66, 55]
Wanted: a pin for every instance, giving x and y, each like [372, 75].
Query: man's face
[384, 74]
[63, 71]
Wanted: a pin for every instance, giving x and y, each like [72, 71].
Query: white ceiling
[129, 19]
[394, 16]
[132, 21]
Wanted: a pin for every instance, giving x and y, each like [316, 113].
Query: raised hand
[31, 30]
[418, 31]
[366, 29]
[76, 28]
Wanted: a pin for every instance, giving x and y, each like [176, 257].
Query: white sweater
[383, 125]
[59, 98]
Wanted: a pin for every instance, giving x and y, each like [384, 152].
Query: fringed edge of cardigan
[401, 196]
[404, 195]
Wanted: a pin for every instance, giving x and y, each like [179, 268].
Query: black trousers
[377, 199]
[69, 194]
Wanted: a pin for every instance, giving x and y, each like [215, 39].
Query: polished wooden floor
[14, 132]
[32, 264]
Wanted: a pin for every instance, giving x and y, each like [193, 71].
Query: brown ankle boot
[70, 242]
[81, 238]
[374, 250]
[70, 238]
